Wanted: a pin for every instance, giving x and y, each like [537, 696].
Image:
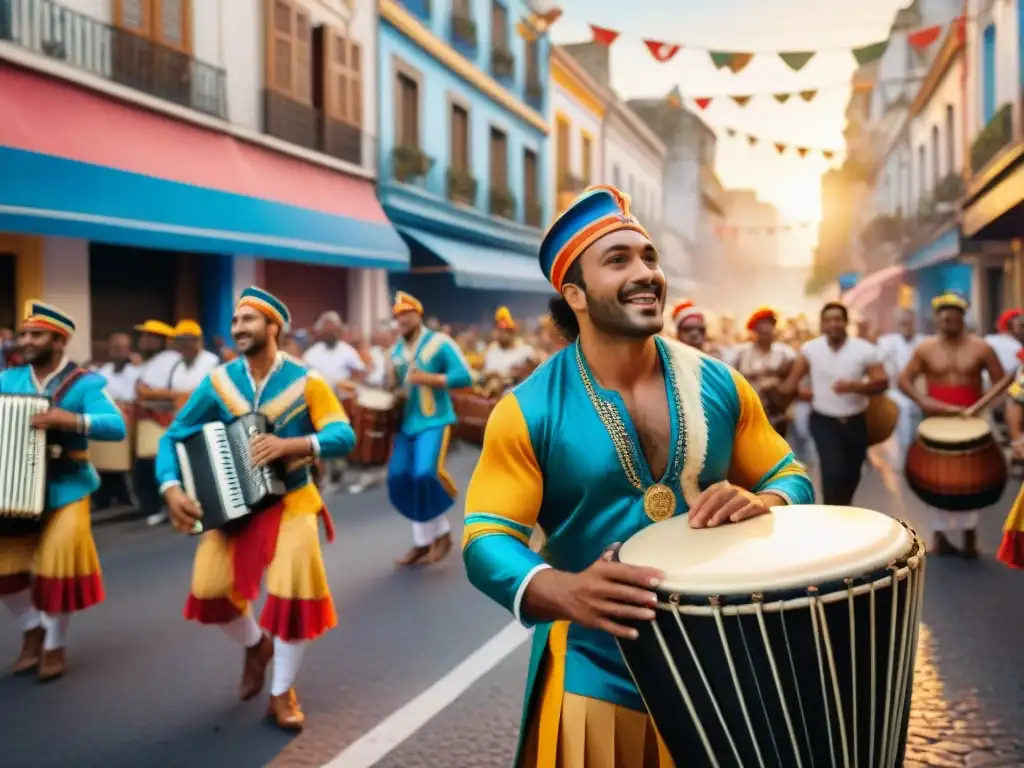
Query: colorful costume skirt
[419, 486]
[1011, 551]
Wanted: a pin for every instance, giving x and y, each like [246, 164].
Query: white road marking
[375, 744]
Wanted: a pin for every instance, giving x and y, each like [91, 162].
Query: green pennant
[868, 53]
[782, 98]
[808, 95]
[796, 60]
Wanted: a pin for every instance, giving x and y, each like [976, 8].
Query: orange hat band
[37, 323]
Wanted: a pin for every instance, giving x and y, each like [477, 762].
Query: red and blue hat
[266, 304]
[46, 317]
[600, 210]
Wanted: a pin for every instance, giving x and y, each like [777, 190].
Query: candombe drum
[472, 409]
[377, 415]
[788, 639]
[115, 457]
[955, 464]
[881, 416]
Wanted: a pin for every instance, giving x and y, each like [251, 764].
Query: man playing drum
[428, 364]
[618, 430]
[952, 363]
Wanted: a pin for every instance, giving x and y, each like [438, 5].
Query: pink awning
[870, 288]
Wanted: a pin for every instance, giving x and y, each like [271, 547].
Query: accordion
[23, 455]
[218, 472]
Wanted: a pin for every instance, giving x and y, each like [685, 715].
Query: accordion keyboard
[228, 482]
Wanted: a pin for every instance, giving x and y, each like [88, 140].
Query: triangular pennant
[796, 60]
[828, 154]
[802, 151]
[741, 100]
[731, 60]
[868, 53]
[661, 51]
[808, 95]
[779, 147]
[922, 38]
[704, 102]
[730, 132]
[675, 98]
[782, 98]
[752, 139]
[603, 36]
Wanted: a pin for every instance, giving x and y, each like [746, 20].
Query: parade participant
[765, 363]
[952, 363]
[845, 371]
[691, 327]
[282, 541]
[427, 364]
[895, 349]
[508, 356]
[1006, 340]
[1011, 549]
[196, 361]
[620, 429]
[121, 375]
[48, 574]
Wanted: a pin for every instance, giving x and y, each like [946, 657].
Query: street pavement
[148, 689]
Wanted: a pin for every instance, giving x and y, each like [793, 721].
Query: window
[289, 52]
[167, 22]
[586, 157]
[499, 26]
[563, 146]
[988, 73]
[532, 61]
[461, 8]
[951, 139]
[936, 170]
[340, 60]
[499, 160]
[531, 187]
[460, 138]
[922, 173]
[407, 113]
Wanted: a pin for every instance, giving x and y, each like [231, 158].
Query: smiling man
[621, 429]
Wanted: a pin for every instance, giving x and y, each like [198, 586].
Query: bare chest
[948, 362]
[649, 411]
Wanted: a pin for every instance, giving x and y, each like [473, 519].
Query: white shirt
[185, 377]
[156, 372]
[335, 364]
[895, 351]
[377, 376]
[1006, 348]
[848, 363]
[121, 386]
[749, 360]
[501, 361]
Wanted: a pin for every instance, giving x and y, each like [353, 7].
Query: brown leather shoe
[284, 711]
[52, 665]
[31, 652]
[942, 546]
[970, 550]
[413, 556]
[439, 550]
[254, 670]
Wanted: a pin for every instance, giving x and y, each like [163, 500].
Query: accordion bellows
[22, 457]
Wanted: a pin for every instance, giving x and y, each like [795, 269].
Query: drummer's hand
[268, 448]
[56, 418]
[183, 511]
[939, 408]
[725, 503]
[416, 377]
[598, 598]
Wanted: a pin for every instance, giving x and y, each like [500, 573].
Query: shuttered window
[167, 22]
[343, 78]
[460, 138]
[289, 50]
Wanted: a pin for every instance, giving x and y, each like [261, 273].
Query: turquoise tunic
[296, 399]
[548, 460]
[103, 421]
[433, 352]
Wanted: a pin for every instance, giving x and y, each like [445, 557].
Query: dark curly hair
[561, 313]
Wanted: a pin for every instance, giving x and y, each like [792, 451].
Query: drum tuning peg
[812, 591]
[715, 601]
[674, 599]
[757, 597]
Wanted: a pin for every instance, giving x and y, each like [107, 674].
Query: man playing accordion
[281, 541]
[49, 567]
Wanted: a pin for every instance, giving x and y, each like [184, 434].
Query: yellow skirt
[60, 564]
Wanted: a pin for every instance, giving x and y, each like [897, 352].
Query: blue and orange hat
[46, 317]
[950, 300]
[267, 304]
[405, 302]
[600, 210]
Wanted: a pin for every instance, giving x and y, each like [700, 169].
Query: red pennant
[603, 36]
[802, 151]
[828, 154]
[922, 38]
[703, 103]
[780, 148]
[661, 51]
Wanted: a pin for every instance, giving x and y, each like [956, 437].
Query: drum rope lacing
[905, 612]
[616, 428]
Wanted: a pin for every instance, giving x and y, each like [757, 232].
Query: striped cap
[46, 317]
[267, 304]
[405, 302]
[686, 310]
[598, 211]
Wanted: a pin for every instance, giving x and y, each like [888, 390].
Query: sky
[831, 27]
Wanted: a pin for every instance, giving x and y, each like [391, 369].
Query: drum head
[953, 430]
[375, 399]
[795, 546]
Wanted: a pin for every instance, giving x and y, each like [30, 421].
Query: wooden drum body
[116, 457]
[376, 418]
[788, 639]
[471, 411]
[881, 416]
[956, 465]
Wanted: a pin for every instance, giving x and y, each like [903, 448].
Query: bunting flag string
[703, 101]
[781, 147]
[733, 230]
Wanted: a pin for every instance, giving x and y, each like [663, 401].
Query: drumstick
[973, 410]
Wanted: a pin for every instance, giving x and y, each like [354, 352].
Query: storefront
[151, 214]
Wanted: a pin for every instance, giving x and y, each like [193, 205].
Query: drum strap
[69, 376]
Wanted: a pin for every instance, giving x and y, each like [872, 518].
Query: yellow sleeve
[761, 458]
[323, 404]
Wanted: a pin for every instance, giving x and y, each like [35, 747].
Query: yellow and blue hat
[405, 302]
[600, 210]
[46, 317]
[188, 329]
[950, 300]
[266, 304]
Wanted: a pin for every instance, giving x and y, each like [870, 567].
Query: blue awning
[478, 266]
[945, 247]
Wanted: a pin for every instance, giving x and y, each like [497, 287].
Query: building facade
[200, 146]
[578, 106]
[463, 157]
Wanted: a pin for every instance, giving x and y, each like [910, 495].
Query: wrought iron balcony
[50, 29]
[410, 164]
[308, 127]
[503, 63]
[992, 138]
[463, 34]
[420, 8]
[461, 186]
[535, 92]
[502, 203]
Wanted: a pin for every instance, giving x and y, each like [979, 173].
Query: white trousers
[944, 522]
[906, 428]
[424, 534]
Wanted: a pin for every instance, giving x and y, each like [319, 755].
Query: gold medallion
[659, 502]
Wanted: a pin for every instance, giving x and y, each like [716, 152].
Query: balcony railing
[992, 139]
[419, 8]
[950, 188]
[306, 126]
[50, 29]
[410, 164]
[503, 63]
[463, 33]
[534, 92]
[502, 203]
[461, 186]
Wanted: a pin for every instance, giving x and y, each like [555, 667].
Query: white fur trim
[687, 364]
